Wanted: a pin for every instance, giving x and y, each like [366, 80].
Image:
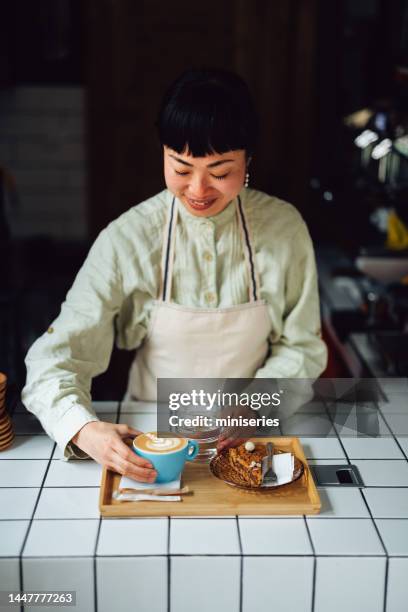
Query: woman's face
[205, 185]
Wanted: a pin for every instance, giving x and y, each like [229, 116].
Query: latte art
[150, 442]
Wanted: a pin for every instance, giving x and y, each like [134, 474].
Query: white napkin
[283, 465]
[126, 482]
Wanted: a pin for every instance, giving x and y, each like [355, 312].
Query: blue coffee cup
[170, 464]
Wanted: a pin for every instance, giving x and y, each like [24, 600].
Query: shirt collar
[219, 220]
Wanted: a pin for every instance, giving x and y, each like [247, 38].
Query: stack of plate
[6, 428]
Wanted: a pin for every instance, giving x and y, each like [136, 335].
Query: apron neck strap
[249, 254]
[168, 252]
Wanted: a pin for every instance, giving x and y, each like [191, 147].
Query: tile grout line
[384, 418]
[312, 607]
[387, 563]
[213, 555]
[337, 434]
[366, 503]
[242, 517]
[241, 566]
[168, 565]
[25, 459]
[90, 556]
[403, 460]
[95, 581]
[31, 522]
[387, 560]
[49, 519]
[62, 486]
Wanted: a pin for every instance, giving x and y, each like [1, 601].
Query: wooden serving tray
[213, 497]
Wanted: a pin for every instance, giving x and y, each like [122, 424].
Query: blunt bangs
[206, 112]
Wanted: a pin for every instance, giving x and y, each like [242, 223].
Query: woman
[206, 279]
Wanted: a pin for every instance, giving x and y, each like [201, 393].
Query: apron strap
[249, 255]
[168, 252]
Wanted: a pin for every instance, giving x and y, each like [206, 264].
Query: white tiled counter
[353, 556]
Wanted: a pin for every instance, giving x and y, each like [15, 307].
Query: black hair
[207, 111]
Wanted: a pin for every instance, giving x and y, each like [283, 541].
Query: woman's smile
[200, 204]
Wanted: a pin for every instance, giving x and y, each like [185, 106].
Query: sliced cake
[248, 463]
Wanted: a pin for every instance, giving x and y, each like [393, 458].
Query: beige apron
[184, 342]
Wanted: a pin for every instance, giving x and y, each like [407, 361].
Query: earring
[246, 179]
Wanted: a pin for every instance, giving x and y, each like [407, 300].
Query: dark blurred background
[80, 84]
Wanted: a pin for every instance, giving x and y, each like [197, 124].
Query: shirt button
[209, 297]
[50, 330]
[207, 228]
[207, 256]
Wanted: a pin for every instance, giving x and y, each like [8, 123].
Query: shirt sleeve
[76, 347]
[300, 351]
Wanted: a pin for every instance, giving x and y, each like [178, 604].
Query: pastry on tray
[246, 459]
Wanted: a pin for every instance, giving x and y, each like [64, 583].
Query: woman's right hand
[104, 442]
